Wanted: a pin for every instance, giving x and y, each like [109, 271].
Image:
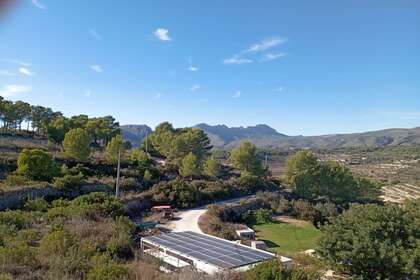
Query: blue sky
[302, 67]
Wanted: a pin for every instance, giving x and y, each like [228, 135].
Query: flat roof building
[203, 252]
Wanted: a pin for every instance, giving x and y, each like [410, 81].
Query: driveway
[188, 219]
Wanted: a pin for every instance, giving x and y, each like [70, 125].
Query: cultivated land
[397, 169]
[288, 236]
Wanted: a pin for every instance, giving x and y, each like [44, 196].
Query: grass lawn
[288, 238]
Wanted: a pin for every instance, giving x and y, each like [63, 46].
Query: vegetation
[36, 165]
[77, 144]
[273, 270]
[245, 158]
[80, 239]
[375, 242]
[288, 238]
[212, 168]
[190, 166]
[313, 179]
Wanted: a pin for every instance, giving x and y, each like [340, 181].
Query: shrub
[121, 244]
[17, 180]
[36, 165]
[16, 219]
[12, 258]
[57, 244]
[128, 183]
[38, 204]
[99, 204]
[69, 182]
[257, 217]
[274, 270]
[109, 272]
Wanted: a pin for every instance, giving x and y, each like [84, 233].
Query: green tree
[245, 158]
[212, 168]
[115, 146]
[311, 179]
[36, 165]
[58, 129]
[190, 166]
[161, 139]
[22, 111]
[375, 242]
[189, 140]
[77, 144]
[140, 157]
[102, 129]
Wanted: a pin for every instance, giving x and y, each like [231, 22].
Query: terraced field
[399, 193]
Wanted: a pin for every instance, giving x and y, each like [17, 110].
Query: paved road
[188, 219]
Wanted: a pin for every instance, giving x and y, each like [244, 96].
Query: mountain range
[263, 135]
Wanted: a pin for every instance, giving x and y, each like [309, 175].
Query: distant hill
[263, 135]
[135, 133]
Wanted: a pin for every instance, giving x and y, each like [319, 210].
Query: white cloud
[7, 73]
[266, 44]
[236, 60]
[193, 69]
[162, 34]
[243, 57]
[39, 5]
[237, 94]
[158, 96]
[88, 93]
[195, 87]
[13, 90]
[97, 68]
[25, 71]
[14, 61]
[272, 56]
[95, 34]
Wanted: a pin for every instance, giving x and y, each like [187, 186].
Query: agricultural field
[397, 169]
[399, 193]
[288, 236]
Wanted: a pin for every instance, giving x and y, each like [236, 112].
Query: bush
[121, 244]
[16, 219]
[38, 204]
[36, 165]
[17, 180]
[109, 272]
[257, 217]
[128, 183]
[274, 270]
[69, 182]
[99, 204]
[16, 256]
[56, 244]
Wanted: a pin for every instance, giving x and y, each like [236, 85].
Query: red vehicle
[167, 211]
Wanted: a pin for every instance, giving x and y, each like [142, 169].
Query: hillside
[262, 135]
[135, 133]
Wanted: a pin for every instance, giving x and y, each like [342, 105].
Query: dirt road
[188, 219]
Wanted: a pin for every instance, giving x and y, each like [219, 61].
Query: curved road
[188, 219]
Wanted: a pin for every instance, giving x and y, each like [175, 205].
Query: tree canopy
[245, 158]
[311, 178]
[175, 144]
[375, 242]
[190, 166]
[77, 144]
[115, 146]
